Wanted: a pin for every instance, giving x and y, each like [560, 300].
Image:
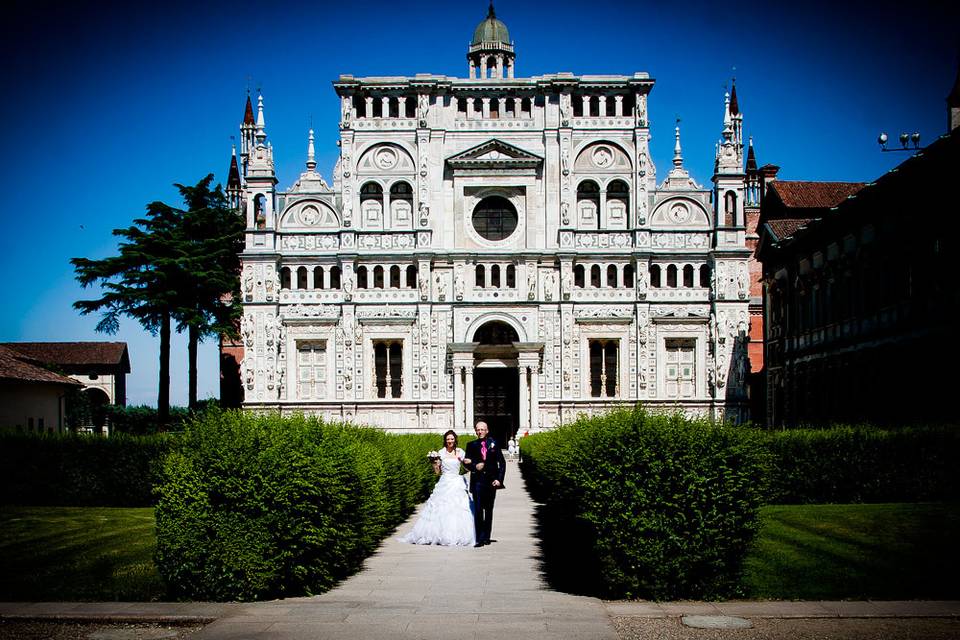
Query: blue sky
[105, 105]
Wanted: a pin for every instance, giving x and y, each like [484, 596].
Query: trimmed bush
[80, 470]
[263, 506]
[638, 505]
[863, 464]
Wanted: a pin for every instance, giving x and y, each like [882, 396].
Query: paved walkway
[410, 591]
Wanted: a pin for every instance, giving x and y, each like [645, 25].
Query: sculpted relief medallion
[602, 157]
[386, 158]
[679, 213]
[309, 216]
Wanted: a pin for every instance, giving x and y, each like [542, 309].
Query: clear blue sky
[106, 105]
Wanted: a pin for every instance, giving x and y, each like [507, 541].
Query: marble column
[524, 400]
[468, 393]
[534, 398]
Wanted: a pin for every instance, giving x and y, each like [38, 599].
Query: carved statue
[565, 161]
[248, 329]
[743, 325]
[742, 284]
[564, 213]
[458, 286]
[642, 281]
[423, 105]
[424, 214]
[358, 333]
[248, 373]
[721, 280]
[347, 113]
[348, 287]
[642, 374]
[721, 369]
[248, 280]
[566, 283]
[424, 284]
[548, 286]
[532, 283]
[564, 109]
[441, 288]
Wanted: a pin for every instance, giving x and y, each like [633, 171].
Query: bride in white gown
[447, 516]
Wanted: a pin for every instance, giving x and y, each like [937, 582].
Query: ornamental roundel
[386, 158]
[602, 156]
[679, 213]
[309, 216]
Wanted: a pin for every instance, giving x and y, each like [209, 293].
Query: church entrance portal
[496, 401]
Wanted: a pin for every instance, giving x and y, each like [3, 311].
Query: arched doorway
[496, 380]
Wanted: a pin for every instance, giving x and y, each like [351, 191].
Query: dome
[491, 30]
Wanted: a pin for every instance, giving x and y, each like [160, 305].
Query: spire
[727, 119]
[677, 153]
[751, 158]
[734, 105]
[311, 161]
[261, 131]
[233, 176]
[248, 111]
[491, 14]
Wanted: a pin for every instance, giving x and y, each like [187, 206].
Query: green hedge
[80, 470]
[863, 464]
[639, 505]
[263, 506]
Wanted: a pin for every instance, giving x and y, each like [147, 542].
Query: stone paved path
[410, 591]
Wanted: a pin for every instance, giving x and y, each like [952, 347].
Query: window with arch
[672, 276]
[362, 278]
[285, 278]
[394, 277]
[618, 204]
[628, 275]
[588, 204]
[611, 276]
[595, 276]
[480, 276]
[318, 277]
[495, 276]
[704, 275]
[260, 211]
[302, 278]
[401, 204]
[579, 276]
[511, 276]
[378, 277]
[688, 275]
[729, 208]
[371, 204]
[371, 191]
[388, 368]
[495, 218]
[655, 276]
[411, 277]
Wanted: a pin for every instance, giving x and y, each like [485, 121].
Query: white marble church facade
[493, 247]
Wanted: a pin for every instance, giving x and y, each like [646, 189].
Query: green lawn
[886, 551]
[77, 553]
[855, 551]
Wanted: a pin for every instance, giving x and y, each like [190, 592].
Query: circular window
[495, 218]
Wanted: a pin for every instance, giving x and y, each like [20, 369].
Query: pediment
[494, 154]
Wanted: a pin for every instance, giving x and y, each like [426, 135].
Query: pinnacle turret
[311, 159]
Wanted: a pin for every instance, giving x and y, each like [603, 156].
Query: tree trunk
[163, 395]
[193, 336]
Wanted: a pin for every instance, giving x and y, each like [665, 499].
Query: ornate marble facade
[493, 246]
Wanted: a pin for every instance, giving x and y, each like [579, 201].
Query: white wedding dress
[447, 516]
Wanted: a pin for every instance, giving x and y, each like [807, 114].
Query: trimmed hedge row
[638, 505]
[263, 506]
[80, 470]
[863, 464]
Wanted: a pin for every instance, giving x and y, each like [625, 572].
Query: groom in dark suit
[484, 459]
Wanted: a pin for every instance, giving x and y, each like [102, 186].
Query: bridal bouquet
[433, 456]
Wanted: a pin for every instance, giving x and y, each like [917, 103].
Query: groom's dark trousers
[481, 484]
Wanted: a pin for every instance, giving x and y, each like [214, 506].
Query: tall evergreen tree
[141, 283]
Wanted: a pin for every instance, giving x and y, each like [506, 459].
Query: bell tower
[491, 52]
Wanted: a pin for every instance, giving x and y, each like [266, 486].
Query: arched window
[496, 332]
[588, 205]
[672, 276]
[394, 277]
[401, 205]
[260, 211]
[595, 276]
[285, 278]
[704, 275]
[628, 275]
[302, 278]
[655, 276]
[411, 277]
[618, 204]
[481, 276]
[362, 278]
[334, 277]
[378, 277]
[495, 218]
[729, 208]
[318, 277]
[495, 276]
[688, 275]
[371, 204]
[579, 277]
[611, 276]
[371, 191]
[511, 276]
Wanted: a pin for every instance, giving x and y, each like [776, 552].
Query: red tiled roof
[74, 353]
[16, 366]
[786, 227]
[801, 194]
